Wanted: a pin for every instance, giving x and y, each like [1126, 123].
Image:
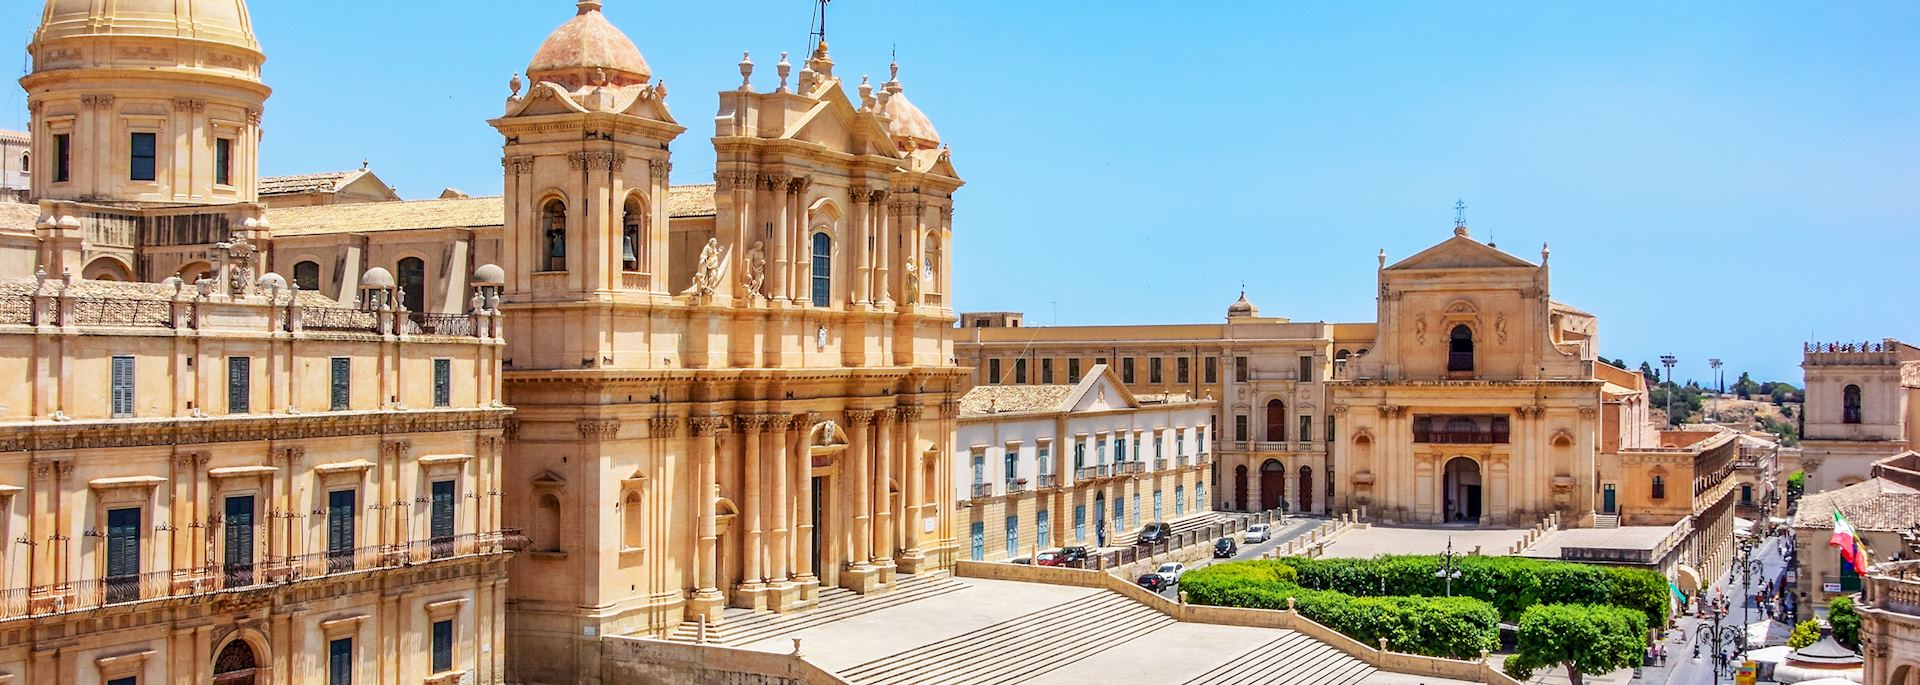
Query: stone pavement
[1375, 540]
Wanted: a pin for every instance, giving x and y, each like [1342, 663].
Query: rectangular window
[1046, 371]
[121, 390]
[1212, 371]
[1126, 370]
[223, 161]
[1013, 536]
[1159, 445]
[239, 385]
[1046, 461]
[129, 680]
[1119, 514]
[1182, 370]
[993, 371]
[1120, 450]
[443, 382]
[1306, 428]
[1240, 369]
[1240, 427]
[1157, 502]
[123, 555]
[1079, 455]
[979, 468]
[1200, 496]
[1020, 371]
[238, 523]
[1073, 370]
[1153, 370]
[1306, 369]
[1330, 433]
[441, 520]
[1010, 467]
[340, 662]
[143, 156]
[340, 524]
[1043, 529]
[1179, 501]
[1136, 510]
[1080, 523]
[1100, 450]
[62, 158]
[443, 646]
[342, 383]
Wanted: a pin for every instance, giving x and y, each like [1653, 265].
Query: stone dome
[377, 278]
[489, 274]
[910, 127]
[585, 49]
[1242, 308]
[273, 280]
[213, 21]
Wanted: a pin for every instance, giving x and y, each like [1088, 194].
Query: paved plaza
[1375, 540]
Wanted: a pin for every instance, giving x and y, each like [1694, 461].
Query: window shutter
[340, 513]
[340, 662]
[342, 383]
[122, 387]
[239, 385]
[442, 646]
[442, 382]
[442, 510]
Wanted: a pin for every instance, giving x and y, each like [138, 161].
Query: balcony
[1129, 467]
[1182, 461]
[1016, 485]
[1461, 437]
[1048, 480]
[1159, 463]
[268, 574]
[981, 490]
[1089, 472]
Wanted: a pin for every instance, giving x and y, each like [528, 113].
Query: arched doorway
[236, 664]
[1904, 675]
[1240, 487]
[1306, 490]
[1461, 493]
[1273, 484]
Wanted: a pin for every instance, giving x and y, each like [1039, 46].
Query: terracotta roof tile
[987, 400]
[304, 183]
[18, 216]
[1873, 504]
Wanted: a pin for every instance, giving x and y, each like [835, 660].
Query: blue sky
[1716, 178]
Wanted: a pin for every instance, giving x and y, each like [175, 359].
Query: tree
[1808, 632]
[1745, 387]
[1796, 485]
[1846, 622]
[1582, 638]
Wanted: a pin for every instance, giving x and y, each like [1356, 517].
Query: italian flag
[1848, 542]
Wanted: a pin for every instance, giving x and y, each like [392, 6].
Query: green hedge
[1457, 627]
[1511, 584]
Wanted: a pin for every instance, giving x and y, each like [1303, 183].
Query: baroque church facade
[670, 400]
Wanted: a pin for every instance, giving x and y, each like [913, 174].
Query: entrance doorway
[819, 521]
[1606, 499]
[1306, 490]
[1273, 484]
[1240, 487]
[236, 665]
[1461, 490]
[1100, 519]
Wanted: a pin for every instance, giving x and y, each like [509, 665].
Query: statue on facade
[757, 270]
[706, 273]
[913, 282]
[239, 272]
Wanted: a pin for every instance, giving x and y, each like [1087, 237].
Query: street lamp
[1749, 567]
[1718, 636]
[1719, 386]
[1449, 566]
[1668, 360]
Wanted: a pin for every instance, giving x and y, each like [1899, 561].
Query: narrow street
[1681, 668]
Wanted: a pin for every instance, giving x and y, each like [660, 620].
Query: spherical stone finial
[590, 6]
[1460, 231]
[514, 84]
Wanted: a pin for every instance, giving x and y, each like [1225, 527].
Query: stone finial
[514, 84]
[784, 70]
[660, 90]
[589, 6]
[1543, 254]
[746, 72]
[1383, 258]
[866, 93]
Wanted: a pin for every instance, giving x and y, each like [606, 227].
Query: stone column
[883, 238]
[882, 491]
[802, 547]
[859, 422]
[914, 497]
[752, 572]
[706, 596]
[779, 551]
[859, 227]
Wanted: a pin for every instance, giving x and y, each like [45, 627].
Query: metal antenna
[1459, 213]
[817, 32]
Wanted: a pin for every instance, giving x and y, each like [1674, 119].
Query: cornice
[168, 432]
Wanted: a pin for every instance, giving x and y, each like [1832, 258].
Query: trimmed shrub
[1457, 627]
[1511, 584]
[1845, 622]
[1808, 632]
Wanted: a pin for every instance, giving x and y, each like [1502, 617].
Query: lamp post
[1668, 360]
[1748, 567]
[1449, 566]
[1717, 636]
[1718, 384]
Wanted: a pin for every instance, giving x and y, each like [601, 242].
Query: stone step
[833, 604]
[1292, 659]
[1019, 649]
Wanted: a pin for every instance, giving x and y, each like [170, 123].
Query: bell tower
[586, 163]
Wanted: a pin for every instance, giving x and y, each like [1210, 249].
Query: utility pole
[1719, 386]
[1668, 360]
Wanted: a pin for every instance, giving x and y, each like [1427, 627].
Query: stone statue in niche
[913, 282]
[706, 274]
[1500, 327]
[1420, 329]
[757, 270]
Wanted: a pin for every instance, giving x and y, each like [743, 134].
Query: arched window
[546, 525]
[236, 664]
[307, 276]
[25, 165]
[554, 233]
[631, 509]
[1460, 349]
[822, 270]
[413, 284]
[1659, 487]
[630, 232]
[1276, 421]
[1850, 404]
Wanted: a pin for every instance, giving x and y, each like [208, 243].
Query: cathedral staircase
[1018, 649]
[1292, 659]
[1606, 520]
[742, 626]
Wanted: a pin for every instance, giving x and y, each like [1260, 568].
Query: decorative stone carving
[1500, 327]
[597, 161]
[189, 105]
[518, 165]
[706, 426]
[757, 270]
[779, 423]
[1420, 328]
[751, 424]
[859, 418]
[883, 417]
[911, 413]
[663, 426]
[912, 278]
[597, 429]
[707, 271]
[660, 169]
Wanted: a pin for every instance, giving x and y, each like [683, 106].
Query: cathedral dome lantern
[910, 128]
[589, 50]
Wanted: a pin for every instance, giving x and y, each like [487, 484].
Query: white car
[1171, 571]
[1256, 533]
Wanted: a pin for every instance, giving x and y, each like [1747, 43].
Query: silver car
[1257, 533]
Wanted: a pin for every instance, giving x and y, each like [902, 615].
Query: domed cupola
[910, 128]
[215, 23]
[586, 50]
[1241, 308]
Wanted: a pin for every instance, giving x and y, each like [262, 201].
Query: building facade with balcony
[1884, 509]
[1044, 466]
[1858, 409]
[1889, 606]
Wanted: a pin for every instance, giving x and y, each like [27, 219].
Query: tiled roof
[682, 201]
[304, 183]
[18, 216]
[989, 400]
[1873, 504]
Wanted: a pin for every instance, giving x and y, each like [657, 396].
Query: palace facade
[722, 395]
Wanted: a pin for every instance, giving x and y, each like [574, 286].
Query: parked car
[1075, 556]
[1154, 582]
[1257, 533]
[1047, 559]
[1154, 534]
[1225, 548]
[1171, 571]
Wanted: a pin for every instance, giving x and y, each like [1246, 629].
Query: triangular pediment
[837, 124]
[1460, 252]
[1101, 390]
